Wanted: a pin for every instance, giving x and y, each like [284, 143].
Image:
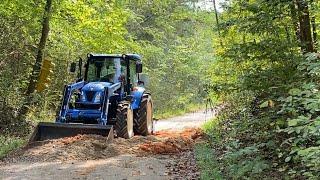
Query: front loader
[108, 97]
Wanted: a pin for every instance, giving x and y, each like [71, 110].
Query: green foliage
[239, 148]
[171, 36]
[168, 112]
[275, 134]
[207, 162]
[269, 126]
[301, 108]
[8, 144]
[16, 44]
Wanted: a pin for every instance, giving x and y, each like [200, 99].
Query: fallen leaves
[184, 167]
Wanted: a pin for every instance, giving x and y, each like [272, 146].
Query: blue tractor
[108, 97]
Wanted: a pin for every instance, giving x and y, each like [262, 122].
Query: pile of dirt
[92, 147]
[192, 133]
[168, 146]
[172, 142]
[81, 147]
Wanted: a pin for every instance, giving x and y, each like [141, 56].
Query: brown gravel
[184, 167]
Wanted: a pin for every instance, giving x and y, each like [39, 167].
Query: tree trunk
[295, 21]
[217, 21]
[38, 63]
[314, 30]
[305, 27]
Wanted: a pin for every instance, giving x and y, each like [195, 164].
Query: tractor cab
[111, 68]
[108, 79]
[102, 71]
[105, 70]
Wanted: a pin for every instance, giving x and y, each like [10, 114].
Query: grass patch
[211, 128]
[8, 144]
[42, 116]
[207, 162]
[224, 157]
[168, 113]
[206, 157]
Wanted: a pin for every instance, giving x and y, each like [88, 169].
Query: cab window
[133, 76]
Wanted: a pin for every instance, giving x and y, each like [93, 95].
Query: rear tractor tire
[124, 121]
[143, 117]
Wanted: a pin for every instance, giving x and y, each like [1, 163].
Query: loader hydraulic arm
[66, 99]
[108, 92]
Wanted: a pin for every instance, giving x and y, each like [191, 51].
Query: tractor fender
[137, 94]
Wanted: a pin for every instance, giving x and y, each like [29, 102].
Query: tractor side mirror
[138, 67]
[73, 67]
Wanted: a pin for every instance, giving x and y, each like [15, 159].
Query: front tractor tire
[143, 121]
[124, 121]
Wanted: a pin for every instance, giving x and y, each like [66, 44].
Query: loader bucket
[47, 131]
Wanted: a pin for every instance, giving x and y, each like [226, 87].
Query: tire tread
[140, 116]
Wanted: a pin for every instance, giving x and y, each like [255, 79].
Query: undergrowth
[269, 135]
[9, 143]
[207, 161]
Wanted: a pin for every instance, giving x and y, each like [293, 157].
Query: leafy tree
[270, 108]
[168, 34]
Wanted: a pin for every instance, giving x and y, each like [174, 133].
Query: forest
[256, 59]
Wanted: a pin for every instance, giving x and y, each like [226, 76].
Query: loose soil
[168, 154]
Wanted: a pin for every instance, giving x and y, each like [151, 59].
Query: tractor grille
[90, 95]
[85, 106]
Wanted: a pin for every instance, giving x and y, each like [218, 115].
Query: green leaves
[265, 104]
[287, 159]
[293, 122]
[260, 54]
[294, 91]
[175, 42]
[8, 144]
[302, 108]
[311, 65]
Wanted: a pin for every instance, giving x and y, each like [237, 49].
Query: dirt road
[166, 155]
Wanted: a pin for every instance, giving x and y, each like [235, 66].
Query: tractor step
[46, 131]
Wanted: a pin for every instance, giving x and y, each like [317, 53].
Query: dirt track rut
[91, 157]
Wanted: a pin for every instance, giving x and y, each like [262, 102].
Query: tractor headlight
[97, 99]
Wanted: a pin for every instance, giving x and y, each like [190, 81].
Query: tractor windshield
[106, 70]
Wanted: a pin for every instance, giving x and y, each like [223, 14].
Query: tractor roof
[135, 57]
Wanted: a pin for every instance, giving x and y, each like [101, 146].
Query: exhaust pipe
[46, 131]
